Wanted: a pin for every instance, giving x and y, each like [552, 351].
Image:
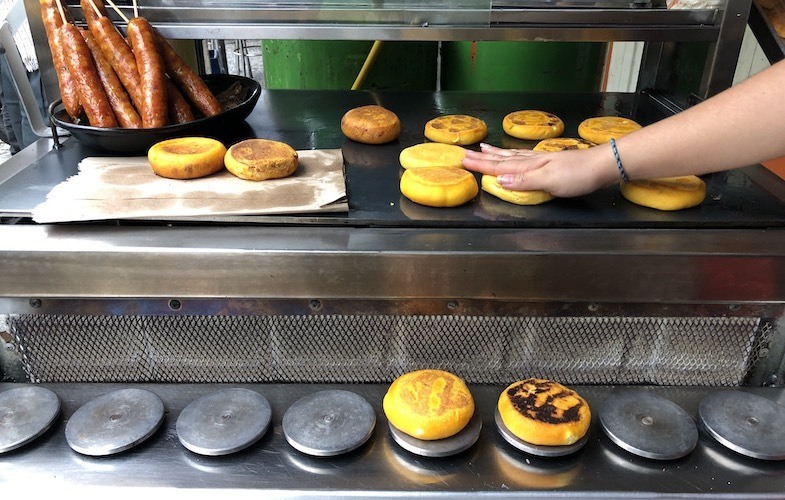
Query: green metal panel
[334, 64]
[527, 66]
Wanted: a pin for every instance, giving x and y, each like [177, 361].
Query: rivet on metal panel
[594, 307]
[315, 304]
[175, 305]
[35, 303]
[452, 305]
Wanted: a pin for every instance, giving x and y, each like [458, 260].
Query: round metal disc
[746, 423]
[114, 422]
[537, 449]
[25, 414]
[440, 447]
[648, 425]
[224, 422]
[329, 423]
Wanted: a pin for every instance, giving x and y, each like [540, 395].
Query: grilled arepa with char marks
[562, 144]
[544, 412]
[429, 404]
[532, 124]
[602, 129]
[456, 129]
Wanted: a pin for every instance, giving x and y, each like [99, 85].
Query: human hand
[563, 174]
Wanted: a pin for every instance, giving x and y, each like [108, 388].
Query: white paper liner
[126, 188]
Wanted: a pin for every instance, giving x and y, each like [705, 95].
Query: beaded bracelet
[622, 172]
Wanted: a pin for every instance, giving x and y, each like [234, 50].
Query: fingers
[487, 148]
[485, 165]
[515, 182]
[496, 163]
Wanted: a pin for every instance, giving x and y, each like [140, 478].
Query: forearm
[742, 126]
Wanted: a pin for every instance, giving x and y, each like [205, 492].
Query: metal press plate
[445, 447]
[224, 422]
[25, 414]
[748, 424]
[329, 423]
[536, 449]
[114, 422]
[648, 425]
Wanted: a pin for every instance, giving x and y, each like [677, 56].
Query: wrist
[604, 166]
[619, 165]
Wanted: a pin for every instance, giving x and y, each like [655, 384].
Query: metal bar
[724, 53]
[585, 265]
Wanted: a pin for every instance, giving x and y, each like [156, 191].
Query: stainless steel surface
[439, 448]
[329, 423]
[48, 262]
[535, 449]
[224, 422]
[746, 423]
[26, 413]
[381, 468]
[114, 422]
[648, 425]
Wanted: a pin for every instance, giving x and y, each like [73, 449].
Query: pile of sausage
[138, 81]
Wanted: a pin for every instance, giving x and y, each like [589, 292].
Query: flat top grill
[745, 198]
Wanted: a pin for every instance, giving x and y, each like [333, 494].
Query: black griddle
[750, 197]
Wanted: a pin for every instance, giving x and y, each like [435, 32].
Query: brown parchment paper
[127, 188]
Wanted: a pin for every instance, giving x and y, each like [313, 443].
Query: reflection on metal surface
[416, 469]
[336, 466]
[630, 463]
[524, 471]
[728, 460]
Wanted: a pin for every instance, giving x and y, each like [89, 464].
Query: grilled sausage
[121, 104]
[88, 84]
[93, 9]
[192, 86]
[152, 75]
[120, 56]
[50, 15]
[179, 108]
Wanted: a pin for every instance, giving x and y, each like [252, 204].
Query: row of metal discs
[334, 422]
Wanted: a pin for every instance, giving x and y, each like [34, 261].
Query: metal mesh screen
[706, 351]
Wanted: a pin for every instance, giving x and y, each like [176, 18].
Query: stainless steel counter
[380, 468]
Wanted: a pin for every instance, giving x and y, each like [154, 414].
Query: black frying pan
[138, 141]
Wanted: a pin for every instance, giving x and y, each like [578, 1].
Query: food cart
[607, 297]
